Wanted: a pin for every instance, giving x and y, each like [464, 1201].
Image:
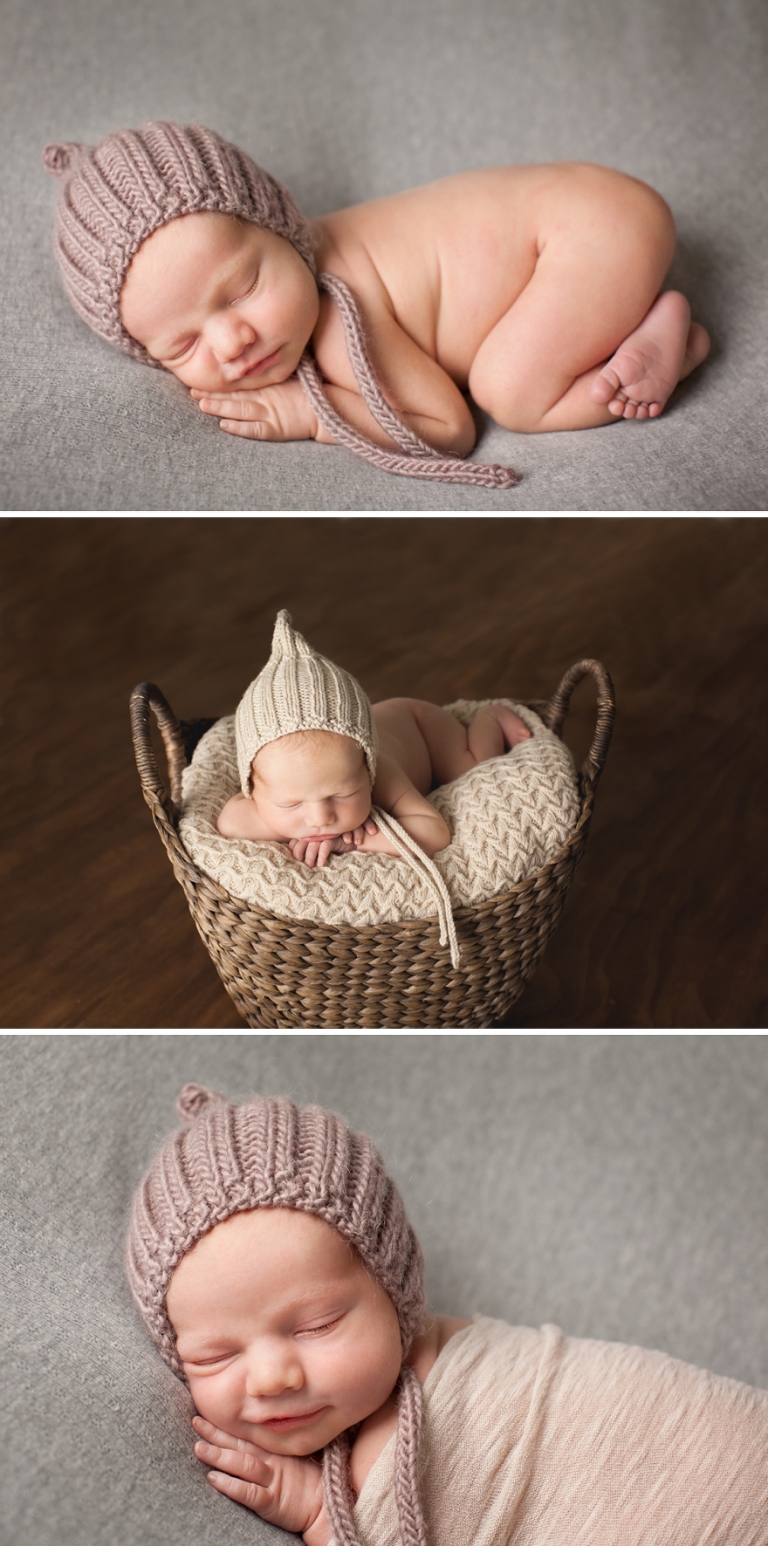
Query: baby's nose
[229, 337]
[320, 813]
[271, 1372]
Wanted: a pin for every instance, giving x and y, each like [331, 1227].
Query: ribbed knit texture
[300, 690]
[117, 193]
[269, 1153]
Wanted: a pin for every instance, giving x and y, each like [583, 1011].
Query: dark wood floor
[665, 926]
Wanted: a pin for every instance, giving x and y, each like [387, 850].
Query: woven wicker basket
[283, 973]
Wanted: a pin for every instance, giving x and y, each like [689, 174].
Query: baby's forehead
[311, 748]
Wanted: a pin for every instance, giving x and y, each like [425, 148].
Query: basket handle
[143, 698]
[559, 703]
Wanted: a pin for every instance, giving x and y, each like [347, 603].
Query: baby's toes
[604, 386]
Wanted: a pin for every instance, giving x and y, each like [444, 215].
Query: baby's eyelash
[252, 286]
[175, 357]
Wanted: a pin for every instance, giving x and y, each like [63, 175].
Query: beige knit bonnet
[300, 690]
[270, 1153]
[117, 193]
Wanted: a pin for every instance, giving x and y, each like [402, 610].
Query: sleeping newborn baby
[535, 289]
[272, 1260]
[314, 755]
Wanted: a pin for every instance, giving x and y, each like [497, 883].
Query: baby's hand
[315, 852]
[283, 1489]
[279, 412]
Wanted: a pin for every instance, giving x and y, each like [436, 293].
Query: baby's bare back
[449, 259]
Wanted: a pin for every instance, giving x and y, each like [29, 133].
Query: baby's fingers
[241, 1463]
[247, 1493]
[248, 417]
[218, 1436]
[233, 407]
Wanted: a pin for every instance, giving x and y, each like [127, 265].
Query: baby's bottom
[589, 338]
[434, 748]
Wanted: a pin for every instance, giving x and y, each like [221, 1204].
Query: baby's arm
[240, 818]
[285, 1490]
[395, 793]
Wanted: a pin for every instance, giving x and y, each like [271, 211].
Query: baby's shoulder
[343, 252]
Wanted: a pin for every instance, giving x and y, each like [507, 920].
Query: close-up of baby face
[310, 783]
[219, 302]
[285, 1338]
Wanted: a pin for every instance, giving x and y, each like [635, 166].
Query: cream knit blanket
[532, 1438]
[507, 817]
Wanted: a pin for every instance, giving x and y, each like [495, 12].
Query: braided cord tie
[416, 858]
[419, 459]
[337, 1491]
[337, 1488]
[410, 1415]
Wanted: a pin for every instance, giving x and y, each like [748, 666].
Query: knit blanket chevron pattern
[507, 817]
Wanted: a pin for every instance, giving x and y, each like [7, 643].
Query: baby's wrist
[319, 1532]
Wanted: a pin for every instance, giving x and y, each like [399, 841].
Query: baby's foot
[666, 346]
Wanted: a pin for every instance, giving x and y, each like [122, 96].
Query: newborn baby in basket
[315, 804]
[314, 755]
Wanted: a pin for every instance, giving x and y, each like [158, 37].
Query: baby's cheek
[214, 1402]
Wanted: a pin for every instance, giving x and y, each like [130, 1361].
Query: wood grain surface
[665, 926]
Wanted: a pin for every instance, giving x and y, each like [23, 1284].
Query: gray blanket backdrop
[613, 1185]
[347, 100]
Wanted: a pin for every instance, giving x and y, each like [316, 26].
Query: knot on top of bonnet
[195, 1099]
[59, 159]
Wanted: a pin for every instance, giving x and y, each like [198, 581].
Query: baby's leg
[434, 748]
[589, 338]
[493, 731]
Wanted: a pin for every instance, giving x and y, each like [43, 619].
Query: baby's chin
[300, 1444]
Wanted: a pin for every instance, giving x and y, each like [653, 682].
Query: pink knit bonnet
[117, 193]
[270, 1153]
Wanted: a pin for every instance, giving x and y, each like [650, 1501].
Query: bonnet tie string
[337, 1488]
[419, 459]
[426, 868]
